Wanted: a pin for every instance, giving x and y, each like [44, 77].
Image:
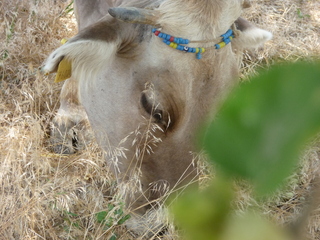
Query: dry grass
[47, 196]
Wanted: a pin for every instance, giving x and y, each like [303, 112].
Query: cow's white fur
[193, 14]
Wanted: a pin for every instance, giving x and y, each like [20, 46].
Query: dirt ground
[49, 196]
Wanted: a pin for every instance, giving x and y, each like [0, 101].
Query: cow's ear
[251, 36]
[84, 54]
[53, 61]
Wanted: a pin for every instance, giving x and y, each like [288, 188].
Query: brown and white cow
[145, 100]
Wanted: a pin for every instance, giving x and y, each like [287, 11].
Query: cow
[145, 75]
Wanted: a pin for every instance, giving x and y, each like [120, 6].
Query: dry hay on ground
[47, 196]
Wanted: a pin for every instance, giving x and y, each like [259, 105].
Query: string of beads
[175, 42]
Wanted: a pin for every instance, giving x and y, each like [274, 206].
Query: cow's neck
[197, 19]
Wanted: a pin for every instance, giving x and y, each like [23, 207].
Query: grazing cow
[146, 91]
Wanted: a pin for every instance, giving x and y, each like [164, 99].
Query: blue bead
[180, 47]
[227, 34]
[194, 50]
[160, 35]
[217, 46]
[227, 40]
[168, 37]
[154, 30]
[199, 56]
[166, 42]
[177, 40]
[190, 50]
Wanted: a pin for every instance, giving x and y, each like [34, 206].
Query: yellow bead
[222, 44]
[197, 50]
[175, 45]
[171, 44]
[203, 50]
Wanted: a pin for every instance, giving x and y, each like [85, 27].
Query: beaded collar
[180, 43]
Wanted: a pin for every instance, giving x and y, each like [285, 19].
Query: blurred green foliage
[206, 213]
[259, 135]
[265, 124]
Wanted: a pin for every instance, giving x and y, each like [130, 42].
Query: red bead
[171, 39]
[156, 33]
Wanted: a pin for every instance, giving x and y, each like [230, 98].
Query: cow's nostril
[75, 141]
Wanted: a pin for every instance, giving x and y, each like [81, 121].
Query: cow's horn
[135, 15]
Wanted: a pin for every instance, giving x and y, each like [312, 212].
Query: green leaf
[70, 214]
[203, 215]
[123, 219]
[100, 216]
[265, 124]
[113, 237]
[252, 227]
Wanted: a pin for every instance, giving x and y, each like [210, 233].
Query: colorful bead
[174, 42]
[199, 56]
[227, 34]
[220, 45]
[227, 41]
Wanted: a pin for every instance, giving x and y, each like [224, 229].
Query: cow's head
[146, 100]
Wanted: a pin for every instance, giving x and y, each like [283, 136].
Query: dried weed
[48, 196]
